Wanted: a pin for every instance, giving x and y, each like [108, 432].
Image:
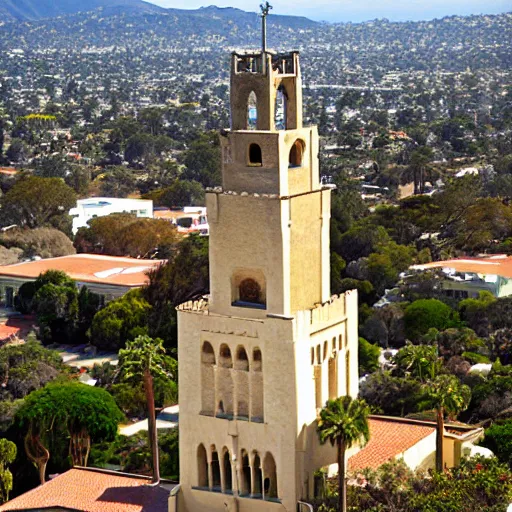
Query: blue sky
[359, 10]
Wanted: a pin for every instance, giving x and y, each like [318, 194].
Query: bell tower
[260, 356]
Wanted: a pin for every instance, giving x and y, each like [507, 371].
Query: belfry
[260, 357]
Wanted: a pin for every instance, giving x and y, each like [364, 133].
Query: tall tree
[7, 455]
[447, 395]
[145, 356]
[344, 422]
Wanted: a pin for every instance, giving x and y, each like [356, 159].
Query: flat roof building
[108, 276]
[87, 209]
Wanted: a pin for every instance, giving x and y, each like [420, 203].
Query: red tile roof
[388, 439]
[87, 490]
[498, 264]
[16, 326]
[88, 268]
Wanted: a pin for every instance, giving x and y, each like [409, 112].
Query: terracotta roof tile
[88, 268]
[388, 438]
[87, 490]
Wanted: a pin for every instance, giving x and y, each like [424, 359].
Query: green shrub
[425, 314]
[475, 358]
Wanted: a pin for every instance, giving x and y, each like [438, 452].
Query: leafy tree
[123, 234]
[7, 455]
[447, 395]
[71, 408]
[17, 151]
[202, 160]
[394, 396]
[361, 240]
[179, 194]
[498, 438]
[43, 242]
[368, 357]
[418, 361]
[35, 202]
[475, 312]
[120, 320]
[184, 277]
[425, 314]
[118, 182]
[145, 356]
[27, 367]
[365, 291]
[344, 422]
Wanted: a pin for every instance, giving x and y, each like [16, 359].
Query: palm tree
[144, 357]
[446, 394]
[344, 421]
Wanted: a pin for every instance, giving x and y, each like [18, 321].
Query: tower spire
[265, 8]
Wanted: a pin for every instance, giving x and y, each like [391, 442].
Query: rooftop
[87, 268]
[92, 490]
[498, 264]
[389, 438]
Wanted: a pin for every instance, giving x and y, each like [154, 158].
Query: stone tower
[270, 346]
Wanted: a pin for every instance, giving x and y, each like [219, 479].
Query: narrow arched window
[202, 467]
[281, 108]
[257, 488]
[207, 354]
[241, 361]
[252, 111]
[216, 481]
[228, 477]
[257, 360]
[225, 359]
[296, 154]
[270, 474]
[255, 156]
[246, 475]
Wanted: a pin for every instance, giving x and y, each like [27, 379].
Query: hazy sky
[359, 10]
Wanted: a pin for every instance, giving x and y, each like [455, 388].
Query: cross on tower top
[265, 8]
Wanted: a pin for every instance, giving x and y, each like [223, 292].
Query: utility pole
[265, 8]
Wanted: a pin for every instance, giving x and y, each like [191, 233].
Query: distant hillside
[30, 10]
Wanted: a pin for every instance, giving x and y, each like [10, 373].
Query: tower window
[225, 360]
[296, 153]
[241, 361]
[250, 291]
[255, 157]
[252, 111]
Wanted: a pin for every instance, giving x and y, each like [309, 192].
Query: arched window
[246, 475]
[257, 487]
[228, 478]
[270, 474]
[296, 153]
[252, 111]
[325, 349]
[312, 355]
[347, 371]
[333, 378]
[216, 482]
[318, 354]
[225, 360]
[257, 360]
[202, 467]
[207, 354]
[255, 156]
[280, 108]
[207, 379]
[241, 361]
[250, 291]
[334, 344]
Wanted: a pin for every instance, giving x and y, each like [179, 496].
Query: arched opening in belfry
[281, 106]
[225, 360]
[207, 379]
[270, 475]
[255, 156]
[252, 111]
[333, 378]
[246, 483]
[257, 360]
[257, 488]
[202, 467]
[241, 361]
[228, 477]
[216, 481]
[296, 154]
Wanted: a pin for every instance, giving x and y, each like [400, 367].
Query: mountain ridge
[33, 10]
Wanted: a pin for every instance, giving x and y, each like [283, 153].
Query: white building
[87, 209]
